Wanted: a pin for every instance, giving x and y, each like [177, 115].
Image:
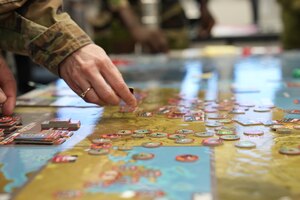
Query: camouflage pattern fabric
[291, 23]
[39, 29]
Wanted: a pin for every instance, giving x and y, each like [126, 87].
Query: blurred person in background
[118, 26]
[291, 23]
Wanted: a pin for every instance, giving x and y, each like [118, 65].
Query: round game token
[143, 156]
[289, 150]
[205, 134]
[98, 151]
[101, 146]
[184, 131]
[229, 137]
[138, 135]
[283, 131]
[101, 141]
[151, 144]
[254, 132]
[297, 127]
[142, 131]
[225, 132]
[184, 140]
[245, 144]
[124, 148]
[213, 124]
[212, 142]
[275, 127]
[111, 136]
[158, 135]
[262, 109]
[5, 119]
[176, 136]
[187, 158]
[124, 132]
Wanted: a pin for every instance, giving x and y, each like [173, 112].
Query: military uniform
[291, 23]
[41, 30]
[112, 35]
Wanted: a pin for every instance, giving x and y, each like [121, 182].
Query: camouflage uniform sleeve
[41, 30]
[116, 4]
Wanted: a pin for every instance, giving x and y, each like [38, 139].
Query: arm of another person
[207, 20]
[153, 39]
[41, 30]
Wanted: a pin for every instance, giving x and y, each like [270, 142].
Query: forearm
[39, 29]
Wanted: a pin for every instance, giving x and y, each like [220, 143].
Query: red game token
[254, 132]
[111, 136]
[212, 142]
[187, 158]
[5, 119]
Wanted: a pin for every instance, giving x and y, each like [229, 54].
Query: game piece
[158, 135]
[289, 151]
[98, 151]
[225, 132]
[184, 140]
[229, 137]
[112, 136]
[142, 131]
[9, 139]
[100, 141]
[297, 127]
[184, 131]
[101, 146]
[261, 109]
[176, 136]
[216, 116]
[124, 148]
[61, 124]
[248, 122]
[64, 158]
[189, 118]
[275, 127]
[138, 135]
[270, 122]
[152, 144]
[145, 114]
[237, 111]
[5, 119]
[204, 134]
[283, 130]
[212, 142]
[143, 156]
[124, 132]
[213, 124]
[225, 121]
[187, 158]
[245, 144]
[254, 132]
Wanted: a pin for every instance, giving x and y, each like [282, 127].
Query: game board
[220, 172]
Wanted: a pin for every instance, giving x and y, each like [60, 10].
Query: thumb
[3, 97]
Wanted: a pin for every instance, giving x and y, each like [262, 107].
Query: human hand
[206, 24]
[8, 89]
[90, 67]
[152, 39]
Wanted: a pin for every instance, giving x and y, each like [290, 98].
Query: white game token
[245, 144]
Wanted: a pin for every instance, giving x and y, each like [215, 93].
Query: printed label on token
[187, 158]
[205, 134]
[158, 135]
[151, 144]
[184, 140]
[230, 137]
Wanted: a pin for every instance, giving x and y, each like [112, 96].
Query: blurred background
[126, 26]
